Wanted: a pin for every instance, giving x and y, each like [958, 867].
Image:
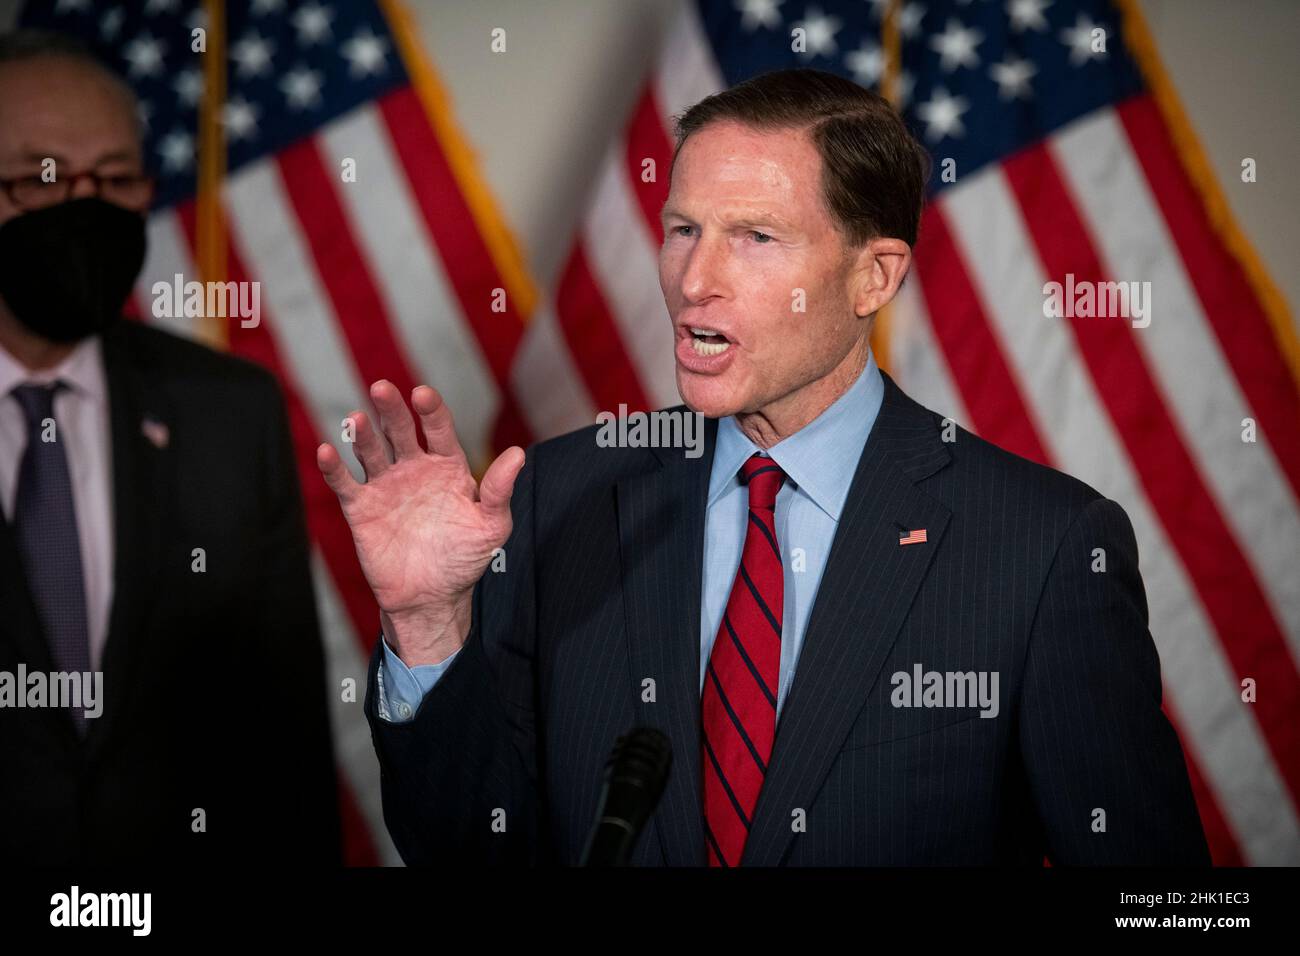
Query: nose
[703, 276]
[83, 185]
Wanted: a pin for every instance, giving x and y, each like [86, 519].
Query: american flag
[1057, 159]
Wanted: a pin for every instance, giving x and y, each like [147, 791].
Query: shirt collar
[82, 370]
[814, 457]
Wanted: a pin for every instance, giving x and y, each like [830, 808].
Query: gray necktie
[45, 522]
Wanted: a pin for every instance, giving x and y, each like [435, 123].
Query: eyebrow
[750, 219]
[667, 213]
[765, 219]
[36, 156]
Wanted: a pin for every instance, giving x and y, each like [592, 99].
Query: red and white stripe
[378, 278]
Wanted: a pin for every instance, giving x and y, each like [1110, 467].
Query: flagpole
[210, 239]
[891, 44]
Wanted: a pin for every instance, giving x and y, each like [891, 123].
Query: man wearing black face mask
[152, 548]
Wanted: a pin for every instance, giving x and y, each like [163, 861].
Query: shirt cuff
[402, 688]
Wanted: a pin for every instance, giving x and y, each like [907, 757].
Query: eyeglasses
[33, 192]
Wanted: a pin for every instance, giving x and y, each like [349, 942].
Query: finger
[395, 419]
[336, 474]
[437, 424]
[498, 482]
[367, 446]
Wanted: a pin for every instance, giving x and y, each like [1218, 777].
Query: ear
[878, 270]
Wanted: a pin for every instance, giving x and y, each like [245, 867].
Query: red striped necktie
[740, 687]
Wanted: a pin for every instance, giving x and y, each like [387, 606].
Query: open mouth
[708, 341]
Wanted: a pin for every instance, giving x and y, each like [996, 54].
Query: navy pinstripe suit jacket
[503, 760]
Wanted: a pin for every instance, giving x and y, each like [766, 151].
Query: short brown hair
[874, 172]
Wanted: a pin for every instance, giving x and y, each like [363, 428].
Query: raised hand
[424, 530]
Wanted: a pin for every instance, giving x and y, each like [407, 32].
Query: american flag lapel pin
[915, 536]
[157, 432]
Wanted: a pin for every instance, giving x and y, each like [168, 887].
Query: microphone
[635, 775]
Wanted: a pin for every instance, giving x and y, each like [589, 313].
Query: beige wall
[540, 117]
[539, 113]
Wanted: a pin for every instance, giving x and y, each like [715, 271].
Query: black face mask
[66, 270]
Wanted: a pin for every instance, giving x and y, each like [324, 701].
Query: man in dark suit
[869, 636]
[153, 552]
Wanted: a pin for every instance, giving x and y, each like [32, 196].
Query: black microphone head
[641, 757]
[635, 776]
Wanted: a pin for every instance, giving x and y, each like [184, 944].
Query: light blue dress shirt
[819, 461]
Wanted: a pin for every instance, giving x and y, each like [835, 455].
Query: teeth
[704, 331]
[709, 348]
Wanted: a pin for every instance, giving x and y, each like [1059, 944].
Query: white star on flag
[301, 88]
[867, 63]
[252, 55]
[110, 23]
[1027, 14]
[189, 87]
[365, 52]
[819, 33]
[759, 13]
[1012, 77]
[240, 119]
[313, 23]
[177, 151]
[942, 114]
[1079, 39]
[909, 20]
[145, 54]
[956, 46]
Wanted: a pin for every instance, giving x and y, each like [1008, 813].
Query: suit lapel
[661, 538]
[141, 474]
[865, 593]
[20, 623]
